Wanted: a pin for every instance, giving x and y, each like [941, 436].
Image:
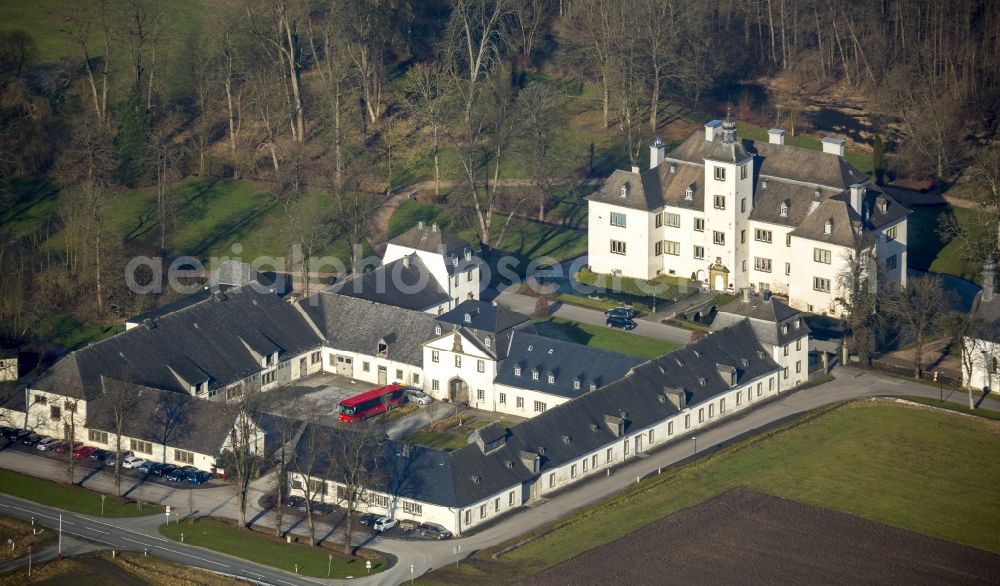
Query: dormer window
[576, 384]
[784, 329]
[593, 386]
[783, 210]
[816, 193]
[884, 207]
[454, 261]
[468, 318]
[552, 379]
[468, 255]
[624, 190]
[763, 184]
[517, 371]
[828, 227]
[487, 341]
[383, 348]
[673, 168]
[534, 374]
[437, 330]
[798, 323]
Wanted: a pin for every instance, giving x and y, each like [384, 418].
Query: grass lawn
[268, 550]
[19, 532]
[957, 407]
[927, 252]
[916, 469]
[438, 440]
[664, 287]
[71, 498]
[603, 337]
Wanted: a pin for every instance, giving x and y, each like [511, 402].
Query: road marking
[95, 530]
[37, 514]
[139, 542]
[193, 556]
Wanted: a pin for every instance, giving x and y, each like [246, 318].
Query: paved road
[526, 305]
[425, 556]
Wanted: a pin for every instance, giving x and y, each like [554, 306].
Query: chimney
[635, 169]
[857, 197]
[406, 262]
[833, 146]
[713, 129]
[420, 224]
[776, 136]
[989, 287]
[656, 153]
[434, 227]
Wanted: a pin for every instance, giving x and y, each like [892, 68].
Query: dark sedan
[176, 475]
[433, 531]
[622, 323]
[368, 519]
[31, 439]
[164, 470]
[198, 477]
[625, 312]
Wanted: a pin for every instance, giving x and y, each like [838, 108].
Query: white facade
[983, 356]
[462, 285]
[457, 369]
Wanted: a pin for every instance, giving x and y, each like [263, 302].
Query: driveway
[424, 556]
[526, 304]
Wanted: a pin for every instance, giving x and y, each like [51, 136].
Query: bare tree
[240, 455]
[540, 111]
[121, 398]
[426, 87]
[918, 307]
[858, 288]
[592, 33]
[473, 44]
[289, 411]
[352, 463]
[69, 422]
[529, 20]
[280, 34]
[79, 27]
[967, 332]
[312, 455]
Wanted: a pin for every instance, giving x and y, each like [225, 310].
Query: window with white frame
[658, 248]
[822, 255]
[520, 402]
[435, 385]
[540, 407]
[699, 224]
[762, 264]
[98, 437]
[618, 219]
[480, 366]
[788, 268]
[458, 361]
[670, 428]
[720, 173]
[141, 447]
[672, 248]
[617, 247]
[891, 263]
[659, 220]
[720, 202]
[719, 237]
[890, 234]
[761, 235]
[379, 500]
[699, 252]
[821, 284]
[415, 509]
[671, 220]
[608, 455]
[480, 395]
[183, 457]
[503, 398]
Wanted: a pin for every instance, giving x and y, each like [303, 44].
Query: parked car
[113, 457]
[99, 455]
[199, 477]
[368, 519]
[624, 323]
[296, 502]
[12, 433]
[63, 447]
[419, 397]
[176, 475]
[384, 524]
[163, 470]
[132, 462]
[626, 312]
[434, 531]
[83, 452]
[321, 508]
[46, 443]
[31, 439]
[147, 467]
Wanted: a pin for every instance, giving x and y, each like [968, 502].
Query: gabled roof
[574, 368]
[483, 316]
[843, 221]
[176, 420]
[218, 341]
[772, 320]
[404, 282]
[431, 238]
[358, 325]
[177, 305]
[565, 432]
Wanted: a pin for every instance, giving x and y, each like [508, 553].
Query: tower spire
[729, 128]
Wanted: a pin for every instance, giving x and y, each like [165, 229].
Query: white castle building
[736, 214]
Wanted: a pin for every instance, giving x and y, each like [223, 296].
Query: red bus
[371, 403]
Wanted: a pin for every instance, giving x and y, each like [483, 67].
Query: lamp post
[694, 438]
[102, 504]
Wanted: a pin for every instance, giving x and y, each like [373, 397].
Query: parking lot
[91, 466]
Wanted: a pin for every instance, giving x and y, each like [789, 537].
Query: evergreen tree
[132, 142]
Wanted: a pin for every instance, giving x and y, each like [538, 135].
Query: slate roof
[767, 316]
[176, 420]
[567, 362]
[176, 305]
[483, 316]
[357, 325]
[563, 433]
[431, 238]
[218, 340]
[783, 174]
[405, 282]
